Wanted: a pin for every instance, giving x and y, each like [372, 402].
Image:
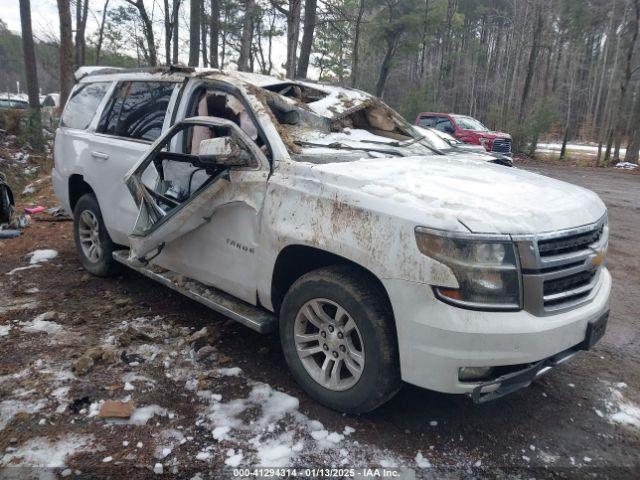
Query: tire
[99, 261]
[363, 302]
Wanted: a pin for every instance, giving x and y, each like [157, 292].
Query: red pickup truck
[467, 130]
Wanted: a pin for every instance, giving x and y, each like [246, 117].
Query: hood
[482, 196]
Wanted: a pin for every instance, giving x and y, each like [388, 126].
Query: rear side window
[83, 104]
[137, 110]
[427, 121]
[444, 124]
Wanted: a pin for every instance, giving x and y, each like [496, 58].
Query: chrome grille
[501, 145]
[561, 270]
[571, 243]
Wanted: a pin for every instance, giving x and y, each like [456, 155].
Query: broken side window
[175, 188]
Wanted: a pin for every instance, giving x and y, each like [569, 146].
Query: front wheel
[93, 243]
[339, 340]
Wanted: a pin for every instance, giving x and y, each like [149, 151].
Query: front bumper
[436, 339]
[519, 379]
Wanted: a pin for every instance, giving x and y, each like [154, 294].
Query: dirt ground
[70, 341]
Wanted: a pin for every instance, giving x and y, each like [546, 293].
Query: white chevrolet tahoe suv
[318, 211]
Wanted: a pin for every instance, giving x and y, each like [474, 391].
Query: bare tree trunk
[624, 83]
[293, 32]
[634, 135]
[392, 42]
[214, 33]
[194, 33]
[66, 51]
[28, 50]
[567, 126]
[247, 35]
[175, 30]
[533, 56]
[356, 44]
[147, 31]
[307, 37]
[167, 32]
[203, 27]
[100, 31]
[82, 10]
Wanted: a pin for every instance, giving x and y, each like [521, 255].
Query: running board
[253, 317]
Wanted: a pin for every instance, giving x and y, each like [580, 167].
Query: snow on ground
[39, 256]
[20, 269]
[39, 324]
[626, 165]
[620, 409]
[582, 149]
[45, 452]
[11, 407]
[4, 330]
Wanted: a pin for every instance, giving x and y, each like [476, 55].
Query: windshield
[468, 123]
[343, 125]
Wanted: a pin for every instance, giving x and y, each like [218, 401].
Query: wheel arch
[293, 261]
[77, 188]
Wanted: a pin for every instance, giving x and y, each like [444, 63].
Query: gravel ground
[70, 341]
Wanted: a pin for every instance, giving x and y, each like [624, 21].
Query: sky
[45, 23]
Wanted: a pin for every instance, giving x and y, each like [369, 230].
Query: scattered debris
[116, 409]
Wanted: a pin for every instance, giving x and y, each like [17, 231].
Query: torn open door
[175, 185]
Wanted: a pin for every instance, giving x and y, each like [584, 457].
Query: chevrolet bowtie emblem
[597, 259]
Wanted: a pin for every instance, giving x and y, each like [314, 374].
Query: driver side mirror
[223, 152]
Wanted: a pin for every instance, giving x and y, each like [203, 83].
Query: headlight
[485, 266]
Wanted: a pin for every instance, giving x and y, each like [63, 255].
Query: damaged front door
[177, 183]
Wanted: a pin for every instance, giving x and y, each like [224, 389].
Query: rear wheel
[93, 243]
[339, 339]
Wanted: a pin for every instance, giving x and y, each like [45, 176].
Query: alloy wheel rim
[329, 344]
[89, 233]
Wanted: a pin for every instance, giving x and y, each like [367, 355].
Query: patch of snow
[627, 165]
[4, 330]
[220, 433]
[39, 256]
[10, 408]
[60, 394]
[107, 459]
[547, 457]
[274, 453]
[230, 372]
[158, 469]
[40, 325]
[233, 458]
[19, 269]
[142, 415]
[128, 387]
[621, 410]
[203, 456]
[43, 452]
[422, 462]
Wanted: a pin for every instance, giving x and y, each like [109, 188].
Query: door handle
[99, 155]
